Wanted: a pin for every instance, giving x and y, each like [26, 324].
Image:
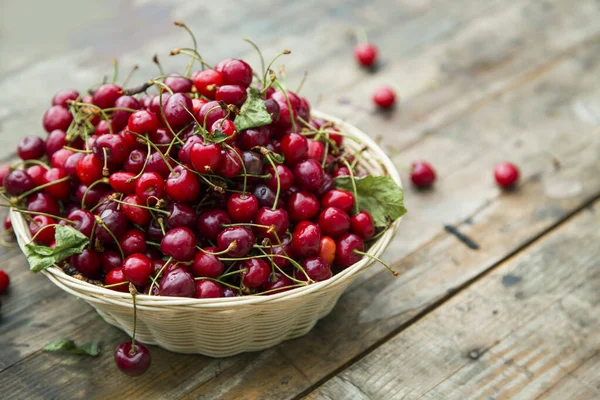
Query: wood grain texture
[479, 82]
[478, 346]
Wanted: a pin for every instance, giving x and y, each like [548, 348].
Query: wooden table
[479, 82]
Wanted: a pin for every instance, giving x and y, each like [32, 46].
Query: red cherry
[384, 97]
[205, 157]
[179, 243]
[277, 283]
[315, 268]
[327, 249]
[309, 175]
[17, 182]
[88, 263]
[303, 206]
[227, 127]
[149, 188]
[231, 163]
[132, 360]
[55, 141]
[206, 264]
[178, 111]
[123, 182]
[316, 150]
[84, 221]
[277, 219]
[115, 222]
[286, 178]
[210, 223]
[255, 272]
[120, 117]
[366, 54]
[422, 174]
[182, 184]
[110, 260]
[135, 214]
[116, 276]
[137, 268]
[178, 83]
[89, 169]
[506, 174]
[236, 72]
[42, 227]
[106, 95]
[132, 242]
[36, 172]
[111, 146]
[59, 190]
[341, 199]
[31, 148]
[362, 225]
[44, 203]
[294, 147]
[207, 81]
[306, 239]
[61, 98]
[206, 289]
[241, 236]
[253, 137]
[232, 94]
[59, 158]
[334, 222]
[4, 281]
[178, 283]
[242, 207]
[142, 122]
[57, 117]
[344, 252]
[209, 113]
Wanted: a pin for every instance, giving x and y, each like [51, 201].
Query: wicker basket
[227, 326]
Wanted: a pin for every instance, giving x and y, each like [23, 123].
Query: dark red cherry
[142, 121]
[250, 138]
[55, 141]
[132, 242]
[132, 360]
[61, 98]
[253, 162]
[231, 163]
[236, 72]
[178, 83]
[106, 95]
[277, 220]
[362, 225]
[111, 146]
[206, 157]
[178, 111]
[162, 138]
[306, 239]
[231, 94]
[255, 272]
[506, 174]
[210, 223]
[155, 105]
[207, 82]
[334, 222]
[57, 117]
[422, 174]
[273, 109]
[88, 263]
[309, 175]
[206, 289]
[120, 117]
[115, 222]
[181, 215]
[294, 147]
[137, 268]
[265, 195]
[277, 283]
[84, 221]
[182, 184]
[149, 188]
[110, 260]
[154, 231]
[70, 165]
[179, 243]
[31, 148]
[286, 178]
[282, 253]
[366, 54]
[242, 207]
[327, 186]
[303, 206]
[241, 236]
[42, 228]
[344, 251]
[185, 153]
[17, 182]
[209, 113]
[178, 283]
[135, 161]
[315, 268]
[117, 277]
[43, 203]
[156, 163]
[206, 264]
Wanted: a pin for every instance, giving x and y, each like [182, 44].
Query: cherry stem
[353, 180]
[139, 89]
[155, 61]
[40, 231]
[115, 70]
[231, 246]
[130, 74]
[95, 107]
[246, 224]
[260, 55]
[153, 243]
[140, 206]
[158, 275]
[362, 253]
[289, 104]
[155, 148]
[74, 150]
[266, 71]
[133, 292]
[239, 156]
[105, 170]
[36, 162]
[278, 191]
[274, 264]
[114, 285]
[190, 53]
[302, 82]
[45, 185]
[45, 215]
[103, 180]
[184, 26]
[112, 235]
[148, 151]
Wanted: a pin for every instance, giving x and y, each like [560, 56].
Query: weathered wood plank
[510, 335]
[580, 384]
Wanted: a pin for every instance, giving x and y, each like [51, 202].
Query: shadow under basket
[226, 326]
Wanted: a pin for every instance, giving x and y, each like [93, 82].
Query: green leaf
[68, 240]
[216, 136]
[69, 346]
[379, 195]
[253, 112]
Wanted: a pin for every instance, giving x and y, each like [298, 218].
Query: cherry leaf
[69, 346]
[68, 240]
[253, 112]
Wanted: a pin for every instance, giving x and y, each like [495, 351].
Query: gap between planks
[443, 300]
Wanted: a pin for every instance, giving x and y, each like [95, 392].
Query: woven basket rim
[63, 280]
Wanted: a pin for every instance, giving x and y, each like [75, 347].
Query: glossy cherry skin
[110, 260]
[205, 157]
[242, 207]
[41, 228]
[135, 161]
[106, 95]
[384, 97]
[334, 222]
[231, 163]
[88, 263]
[422, 174]
[341, 199]
[57, 117]
[243, 238]
[286, 177]
[137, 268]
[178, 83]
[4, 170]
[206, 264]
[181, 215]
[182, 184]
[316, 150]
[253, 163]
[84, 221]
[316, 269]
[89, 169]
[294, 147]
[132, 242]
[185, 153]
[123, 182]
[265, 195]
[61, 98]
[362, 224]
[70, 165]
[344, 252]
[227, 127]
[231, 94]
[327, 249]
[303, 206]
[277, 219]
[37, 172]
[309, 175]
[178, 283]
[17, 182]
[120, 117]
[59, 158]
[255, 272]
[206, 289]
[132, 363]
[55, 141]
[366, 54]
[4, 281]
[115, 221]
[209, 113]
[137, 215]
[116, 276]
[306, 239]
[207, 81]
[282, 253]
[44, 203]
[105, 127]
[250, 138]
[178, 111]
[162, 138]
[60, 190]
[179, 243]
[277, 283]
[236, 72]
[31, 148]
[156, 163]
[114, 146]
[149, 188]
[506, 174]
[142, 121]
[210, 223]
[273, 109]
